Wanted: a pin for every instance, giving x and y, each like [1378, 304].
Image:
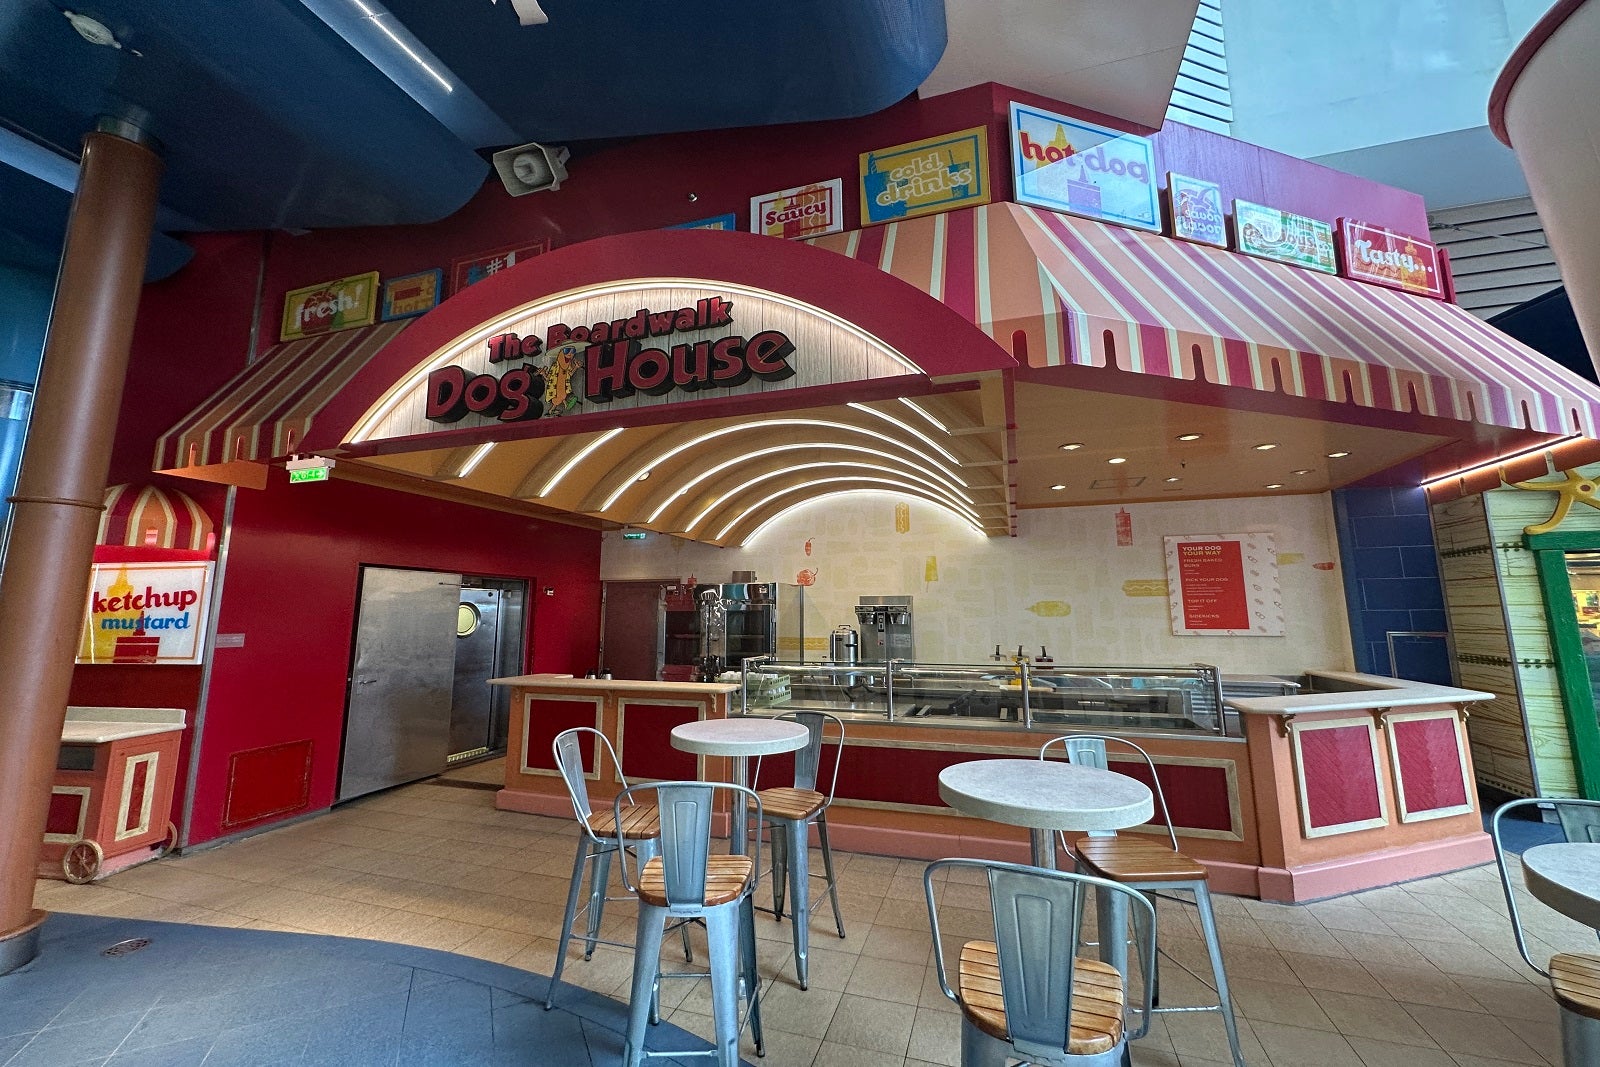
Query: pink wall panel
[1429, 754]
[647, 750]
[546, 719]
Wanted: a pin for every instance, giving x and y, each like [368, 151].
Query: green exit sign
[633, 535]
[308, 474]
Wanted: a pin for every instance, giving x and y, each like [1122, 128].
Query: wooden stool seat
[1133, 858]
[787, 803]
[1575, 980]
[639, 823]
[726, 878]
[1098, 999]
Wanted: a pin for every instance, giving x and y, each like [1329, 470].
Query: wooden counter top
[1376, 692]
[613, 685]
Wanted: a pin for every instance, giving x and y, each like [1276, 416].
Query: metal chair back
[569, 761]
[685, 810]
[1579, 820]
[1090, 750]
[808, 760]
[1038, 920]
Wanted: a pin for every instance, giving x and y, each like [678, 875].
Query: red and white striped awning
[267, 409]
[1057, 290]
[142, 516]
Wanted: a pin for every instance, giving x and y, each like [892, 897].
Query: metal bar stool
[1574, 977]
[1150, 866]
[600, 835]
[686, 881]
[1027, 993]
[791, 811]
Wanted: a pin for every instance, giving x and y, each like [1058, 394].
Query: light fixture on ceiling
[1058, 487]
[1190, 436]
[1266, 446]
[1303, 470]
[1337, 455]
[529, 13]
[920, 410]
[95, 32]
[1071, 446]
[583, 454]
[1117, 459]
[1171, 480]
[1274, 485]
[644, 477]
[478, 455]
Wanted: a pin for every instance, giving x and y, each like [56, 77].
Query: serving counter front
[1343, 782]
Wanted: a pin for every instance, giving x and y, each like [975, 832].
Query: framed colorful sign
[1067, 164]
[146, 612]
[1196, 209]
[341, 304]
[804, 211]
[472, 269]
[1381, 256]
[412, 294]
[1268, 233]
[1224, 585]
[925, 177]
[716, 222]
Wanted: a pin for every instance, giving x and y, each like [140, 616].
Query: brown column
[56, 511]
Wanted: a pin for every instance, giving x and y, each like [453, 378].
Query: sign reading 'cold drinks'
[653, 352]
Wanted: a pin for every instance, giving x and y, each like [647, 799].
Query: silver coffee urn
[844, 650]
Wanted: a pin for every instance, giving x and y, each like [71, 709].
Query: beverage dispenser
[886, 628]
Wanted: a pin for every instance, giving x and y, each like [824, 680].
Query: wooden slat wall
[1467, 565]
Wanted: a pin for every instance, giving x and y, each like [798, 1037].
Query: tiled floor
[1419, 975]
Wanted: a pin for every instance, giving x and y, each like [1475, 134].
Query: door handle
[365, 681]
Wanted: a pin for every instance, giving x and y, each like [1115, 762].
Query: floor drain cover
[122, 948]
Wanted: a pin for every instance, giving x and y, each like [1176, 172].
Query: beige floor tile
[888, 980]
[1386, 1054]
[936, 1038]
[1325, 972]
[794, 1011]
[1376, 1018]
[832, 1054]
[902, 946]
[1293, 1046]
[1473, 1033]
[1266, 1002]
[876, 1025]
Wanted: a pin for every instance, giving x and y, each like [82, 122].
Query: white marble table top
[740, 736]
[1046, 795]
[1566, 876]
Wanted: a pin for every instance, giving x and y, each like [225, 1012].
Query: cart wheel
[81, 862]
[170, 841]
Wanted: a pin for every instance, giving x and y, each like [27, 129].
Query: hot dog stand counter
[1287, 789]
[112, 793]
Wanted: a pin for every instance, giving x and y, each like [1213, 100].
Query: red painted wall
[648, 183]
[291, 590]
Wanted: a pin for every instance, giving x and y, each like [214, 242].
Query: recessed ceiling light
[1301, 471]
[643, 477]
[1058, 488]
[1072, 446]
[1117, 459]
[1274, 485]
[1172, 479]
[1190, 436]
[1337, 455]
[1266, 446]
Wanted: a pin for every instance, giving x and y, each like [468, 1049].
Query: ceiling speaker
[531, 168]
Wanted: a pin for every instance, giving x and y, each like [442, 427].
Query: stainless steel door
[472, 698]
[397, 717]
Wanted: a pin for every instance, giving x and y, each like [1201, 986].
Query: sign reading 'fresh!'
[605, 361]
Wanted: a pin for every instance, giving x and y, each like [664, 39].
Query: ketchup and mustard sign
[804, 211]
[146, 612]
[1224, 585]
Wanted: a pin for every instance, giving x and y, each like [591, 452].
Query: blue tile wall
[1391, 580]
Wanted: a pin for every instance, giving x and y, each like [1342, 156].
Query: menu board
[1284, 236]
[1196, 209]
[1067, 164]
[1224, 585]
[804, 211]
[924, 177]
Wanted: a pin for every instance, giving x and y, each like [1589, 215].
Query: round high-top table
[740, 737]
[1566, 876]
[1046, 796]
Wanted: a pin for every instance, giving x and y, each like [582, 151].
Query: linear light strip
[812, 499]
[764, 501]
[914, 406]
[1499, 461]
[756, 425]
[761, 527]
[583, 454]
[795, 446]
[912, 430]
[477, 457]
[734, 492]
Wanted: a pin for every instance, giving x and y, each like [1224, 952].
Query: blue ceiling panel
[620, 68]
[35, 224]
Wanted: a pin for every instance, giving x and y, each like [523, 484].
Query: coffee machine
[886, 628]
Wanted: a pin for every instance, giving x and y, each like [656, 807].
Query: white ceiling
[1118, 57]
